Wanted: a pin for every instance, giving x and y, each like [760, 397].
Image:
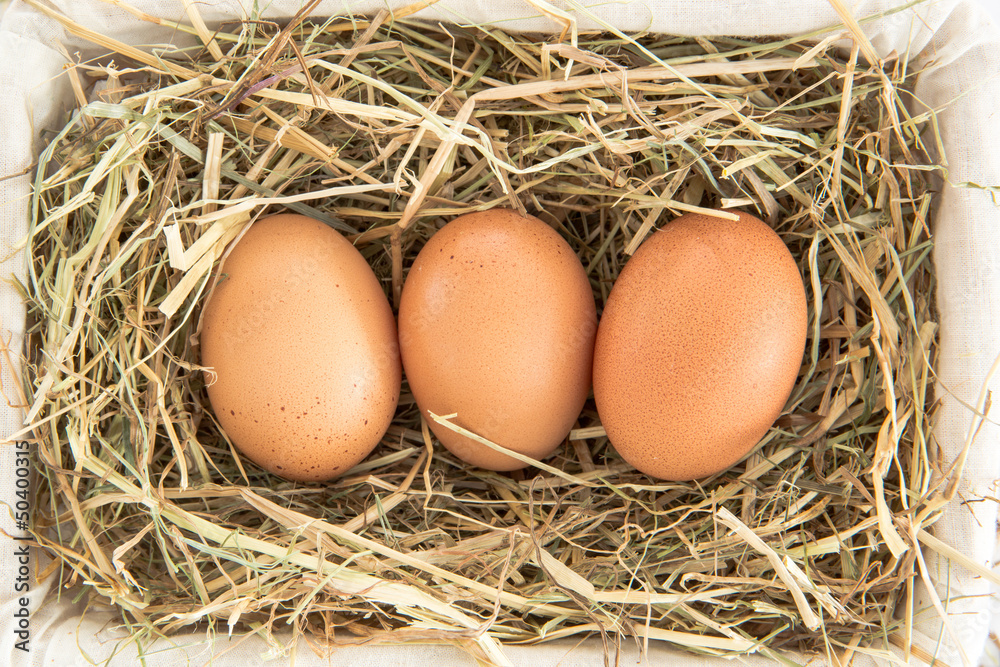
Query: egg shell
[699, 345]
[303, 346]
[497, 322]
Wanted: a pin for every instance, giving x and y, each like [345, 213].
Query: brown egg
[303, 347]
[497, 323]
[699, 345]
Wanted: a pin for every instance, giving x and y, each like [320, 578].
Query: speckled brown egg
[302, 344]
[699, 345]
[497, 323]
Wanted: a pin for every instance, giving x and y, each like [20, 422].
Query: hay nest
[385, 129]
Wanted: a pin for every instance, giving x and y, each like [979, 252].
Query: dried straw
[385, 129]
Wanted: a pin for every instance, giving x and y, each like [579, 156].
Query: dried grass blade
[860, 38]
[885, 452]
[447, 422]
[112, 44]
[250, 203]
[846, 101]
[645, 598]
[199, 25]
[809, 617]
[956, 556]
[563, 575]
[679, 638]
[188, 282]
[284, 139]
[175, 247]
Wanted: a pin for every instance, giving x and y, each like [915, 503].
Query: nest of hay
[385, 129]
